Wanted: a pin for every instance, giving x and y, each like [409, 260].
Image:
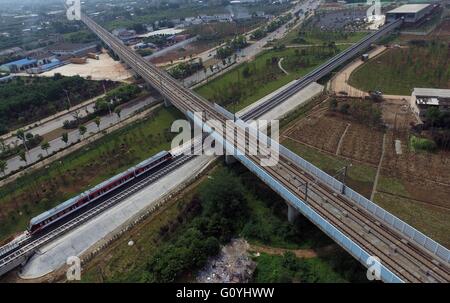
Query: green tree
[97, 122]
[82, 130]
[3, 167]
[65, 138]
[118, 112]
[20, 134]
[45, 146]
[432, 115]
[23, 156]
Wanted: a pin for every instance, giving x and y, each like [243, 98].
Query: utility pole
[104, 88]
[343, 179]
[68, 99]
[306, 185]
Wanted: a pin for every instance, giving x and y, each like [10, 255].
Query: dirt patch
[104, 68]
[443, 30]
[233, 264]
[319, 131]
[362, 143]
[299, 253]
[421, 177]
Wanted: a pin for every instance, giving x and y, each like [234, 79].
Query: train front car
[64, 209]
[55, 214]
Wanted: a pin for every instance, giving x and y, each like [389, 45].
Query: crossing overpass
[355, 223]
[358, 225]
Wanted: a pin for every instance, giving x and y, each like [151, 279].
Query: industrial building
[51, 57]
[19, 65]
[424, 98]
[411, 13]
[73, 49]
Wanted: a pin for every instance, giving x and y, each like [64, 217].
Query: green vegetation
[27, 141]
[362, 111]
[221, 31]
[47, 187]
[421, 144]
[29, 99]
[429, 219]
[158, 40]
[251, 81]
[275, 24]
[271, 27]
[173, 245]
[144, 52]
[359, 177]
[238, 42]
[288, 268]
[115, 97]
[316, 36]
[151, 13]
[399, 70]
[223, 208]
[185, 69]
[439, 123]
[81, 36]
[258, 34]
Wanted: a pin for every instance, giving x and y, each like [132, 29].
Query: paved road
[54, 124]
[245, 54]
[34, 154]
[249, 52]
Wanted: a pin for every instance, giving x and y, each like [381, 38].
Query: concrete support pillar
[229, 159]
[292, 213]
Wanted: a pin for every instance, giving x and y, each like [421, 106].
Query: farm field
[114, 153]
[251, 81]
[412, 185]
[362, 143]
[399, 70]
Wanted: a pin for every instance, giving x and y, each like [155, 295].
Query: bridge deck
[363, 233]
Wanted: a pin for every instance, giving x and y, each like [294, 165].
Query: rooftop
[24, 61]
[432, 92]
[166, 31]
[70, 46]
[409, 9]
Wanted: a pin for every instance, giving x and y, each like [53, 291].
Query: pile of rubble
[232, 265]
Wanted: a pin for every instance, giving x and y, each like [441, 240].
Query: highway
[405, 259]
[35, 154]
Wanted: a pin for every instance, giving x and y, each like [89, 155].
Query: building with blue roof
[54, 63]
[19, 65]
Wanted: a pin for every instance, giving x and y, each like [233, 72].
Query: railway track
[350, 218]
[320, 72]
[406, 259]
[30, 244]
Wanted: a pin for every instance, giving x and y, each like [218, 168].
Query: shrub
[424, 144]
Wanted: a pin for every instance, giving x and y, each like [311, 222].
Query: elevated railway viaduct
[358, 225]
[369, 233]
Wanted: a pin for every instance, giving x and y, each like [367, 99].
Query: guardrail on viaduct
[359, 253]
